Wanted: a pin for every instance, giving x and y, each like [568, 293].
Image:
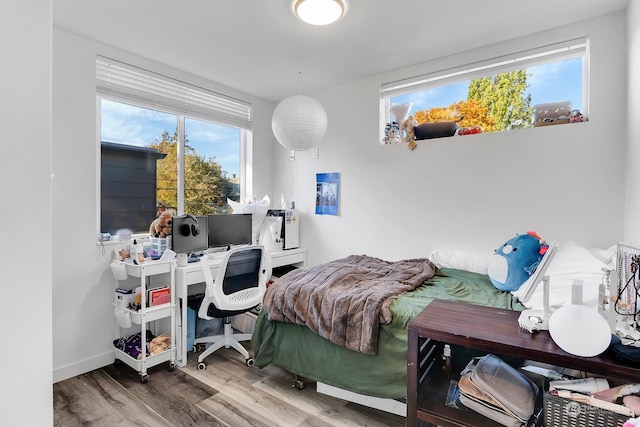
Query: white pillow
[461, 260]
[571, 262]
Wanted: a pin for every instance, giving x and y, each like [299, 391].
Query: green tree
[206, 184]
[504, 96]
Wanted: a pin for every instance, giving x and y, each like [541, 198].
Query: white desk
[192, 274]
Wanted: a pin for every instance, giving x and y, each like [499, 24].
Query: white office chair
[239, 286]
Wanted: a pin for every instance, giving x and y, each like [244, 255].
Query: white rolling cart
[146, 315]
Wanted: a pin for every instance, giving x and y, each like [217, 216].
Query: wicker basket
[561, 412]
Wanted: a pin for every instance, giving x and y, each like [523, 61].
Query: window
[531, 88]
[166, 145]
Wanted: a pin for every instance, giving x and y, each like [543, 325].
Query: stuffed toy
[408, 127]
[516, 260]
[132, 344]
[159, 344]
[161, 226]
[391, 133]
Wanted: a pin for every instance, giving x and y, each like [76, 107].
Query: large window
[547, 85]
[166, 145]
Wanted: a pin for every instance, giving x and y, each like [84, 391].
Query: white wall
[472, 192]
[25, 229]
[83, 287]
[632, 220]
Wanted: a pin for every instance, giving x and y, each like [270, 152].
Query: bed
[301, 351]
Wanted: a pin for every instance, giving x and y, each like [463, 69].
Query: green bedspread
[299, 350]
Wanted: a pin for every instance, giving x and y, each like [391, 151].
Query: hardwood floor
[227, 393]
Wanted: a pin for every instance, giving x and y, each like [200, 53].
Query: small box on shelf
[159, 245]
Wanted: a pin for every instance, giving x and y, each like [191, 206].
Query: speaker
[190, 229]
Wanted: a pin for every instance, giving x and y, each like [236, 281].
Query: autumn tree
[468, 114]
[206, 184]
[494, 104]
[505, 98]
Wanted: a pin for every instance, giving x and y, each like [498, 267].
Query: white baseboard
[387, 405]
[65, 372]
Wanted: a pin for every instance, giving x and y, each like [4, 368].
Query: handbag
[493, 388]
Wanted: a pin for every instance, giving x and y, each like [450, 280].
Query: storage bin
[159, 245]
[191, 327]
[561, 412]
[552, 113]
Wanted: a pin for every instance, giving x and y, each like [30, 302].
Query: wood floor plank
[230, 412]
[234, 381]
[225, 372]
[174, 395]
[96, 399]
[332, 410]
[226, 394]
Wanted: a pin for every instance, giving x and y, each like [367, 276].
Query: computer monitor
[189, 234]
[229, 230]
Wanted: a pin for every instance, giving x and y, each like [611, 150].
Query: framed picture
[327, 193]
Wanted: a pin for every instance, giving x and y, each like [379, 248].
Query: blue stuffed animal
[516, 260]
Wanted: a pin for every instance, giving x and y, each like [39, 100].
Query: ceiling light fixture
[319, 12]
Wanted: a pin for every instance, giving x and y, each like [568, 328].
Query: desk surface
[497, 330]
[278, 259]
[192, 274]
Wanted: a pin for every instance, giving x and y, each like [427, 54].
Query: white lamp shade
[299, 122]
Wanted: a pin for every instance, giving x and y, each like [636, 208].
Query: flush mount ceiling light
[319, 12]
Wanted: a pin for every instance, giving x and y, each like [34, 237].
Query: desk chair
[239, 286]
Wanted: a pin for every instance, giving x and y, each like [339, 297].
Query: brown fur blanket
[345, 300]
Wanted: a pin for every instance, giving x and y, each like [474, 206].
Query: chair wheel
[249, 362]
[298, 384]
[202, 366]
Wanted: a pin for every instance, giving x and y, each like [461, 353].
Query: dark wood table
[488, 330]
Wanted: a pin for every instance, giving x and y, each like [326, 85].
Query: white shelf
[151, 313]
[149, 268]
[145, 315]
[141, 365]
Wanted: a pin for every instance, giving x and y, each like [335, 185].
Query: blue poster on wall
[327, 186]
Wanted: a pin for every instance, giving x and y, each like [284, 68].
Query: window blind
[517, 61]
[123, 82]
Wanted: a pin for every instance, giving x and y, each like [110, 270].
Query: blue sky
[126, 124]
[558, 81]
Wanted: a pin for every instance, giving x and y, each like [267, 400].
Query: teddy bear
[408, 127]
[161, 226]
[154, 346]
[159, 344]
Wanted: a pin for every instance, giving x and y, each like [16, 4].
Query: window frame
[233, 113]
[554, 52]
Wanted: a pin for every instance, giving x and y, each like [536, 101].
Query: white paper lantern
[299, 122]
